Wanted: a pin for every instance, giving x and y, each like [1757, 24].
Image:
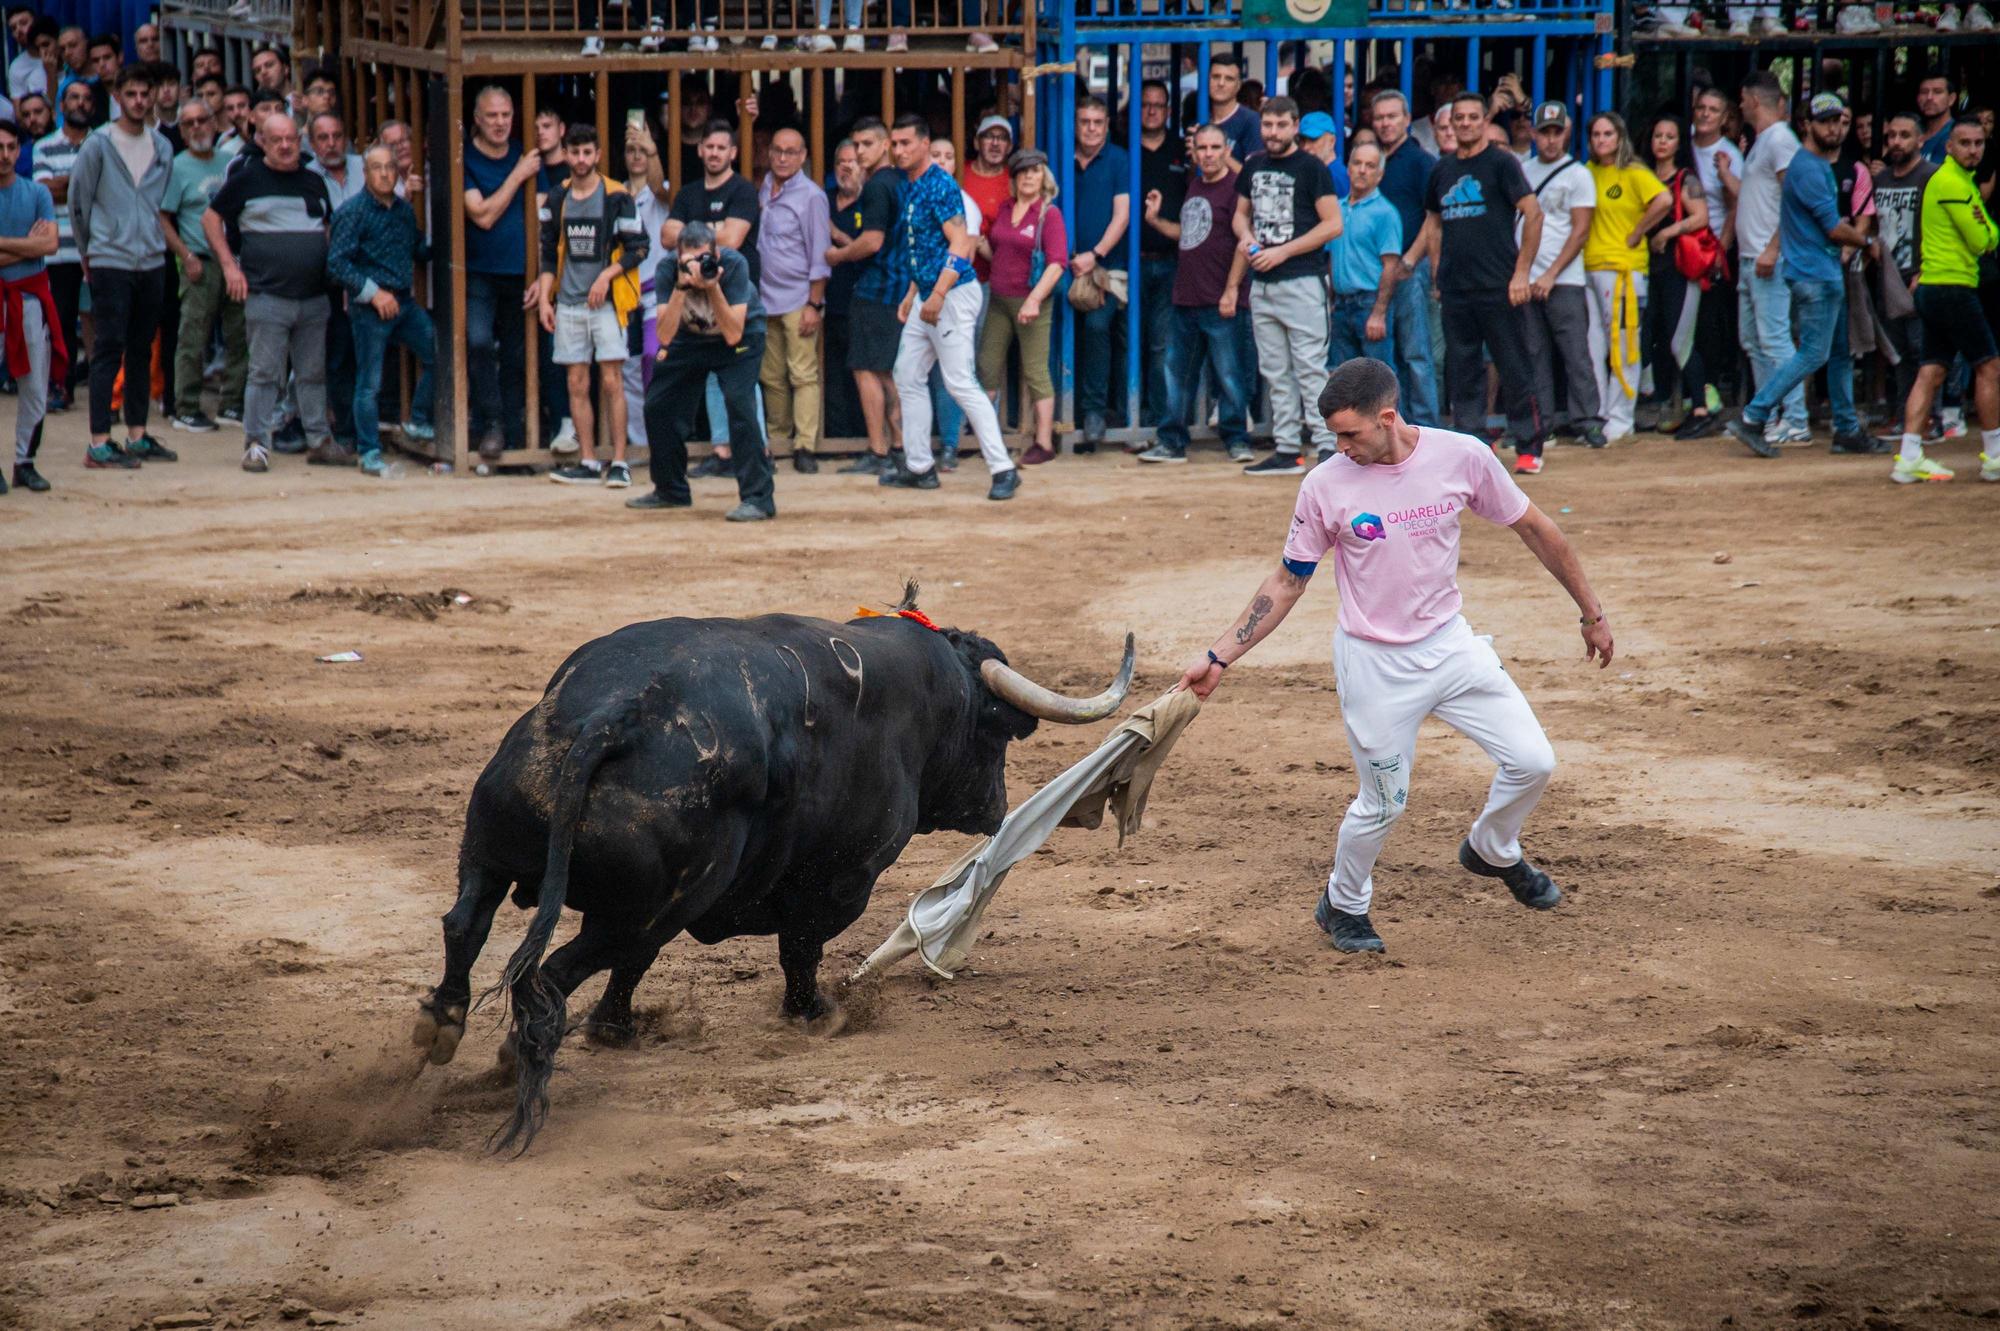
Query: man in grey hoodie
[115, 189]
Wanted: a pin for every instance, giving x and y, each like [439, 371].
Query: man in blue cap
[1320, 137]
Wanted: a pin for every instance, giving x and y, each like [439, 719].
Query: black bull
[722, 777]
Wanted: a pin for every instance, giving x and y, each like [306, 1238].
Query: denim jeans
[1201, 336]
[496, 345]
[1764, 318]
[1350, 331]
[1093, 342]
[1819, 321]
[1156, 324]
[1415, 368]
[373, 336]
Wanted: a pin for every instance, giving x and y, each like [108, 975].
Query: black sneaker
[1005, 484]
[805, 464]
[912, 480]
[709, 466]
[748, 512]
[1166, 453]
[577, 474]
[148, 449]
[1702, 426]
[865, 465]
[1593, 436]
[1530, 886]
[1278, 464]
[194, 422]
[3, 486]
[617, 476]
[290, 438]
[654, 499]
[231, 416]
[27, 478]
[1751, 437]
[1240, 452]
[1854, 441]
[1350, 933]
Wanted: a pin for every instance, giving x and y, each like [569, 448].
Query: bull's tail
[539, 1007]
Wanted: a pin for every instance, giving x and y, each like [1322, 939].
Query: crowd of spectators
[1529, 278]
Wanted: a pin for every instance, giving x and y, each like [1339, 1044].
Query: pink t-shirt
[1394, 531]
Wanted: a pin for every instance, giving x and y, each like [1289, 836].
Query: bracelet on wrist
[1589, 621]
[1218, 661]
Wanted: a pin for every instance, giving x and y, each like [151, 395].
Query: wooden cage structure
[423, 61]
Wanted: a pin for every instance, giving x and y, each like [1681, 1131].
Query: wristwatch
[816, 305]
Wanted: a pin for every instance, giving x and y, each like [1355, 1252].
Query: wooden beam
[958, 143]
[604, 120]
[888, 94]
[454, 365]
[671, 139]
[746, 86]
[816, 101]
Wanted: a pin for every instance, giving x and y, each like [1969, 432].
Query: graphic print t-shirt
[583, 225]
[1284, 194]
[1393, 531]
[1897, 199]
[1208, 244]
[1474, 199]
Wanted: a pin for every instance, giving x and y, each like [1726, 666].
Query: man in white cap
[986, 181]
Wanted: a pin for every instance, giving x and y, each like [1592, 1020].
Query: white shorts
[584, 335]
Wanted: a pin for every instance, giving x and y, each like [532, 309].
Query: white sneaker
[770, 42]
[1765, 26]
[593, 46]
[1977, 19]
[1989, 468]
[1918, 472]
[1947, 20]
[981, 43]
[656, 35]
[898, 42]
[1952, 424]
[819, 43]
[1855, 20]
[852, 42]
[565, 441]
[1739, 27]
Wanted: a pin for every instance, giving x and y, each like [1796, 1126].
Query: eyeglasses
[788, 152]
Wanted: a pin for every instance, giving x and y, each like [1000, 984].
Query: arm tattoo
[1293, 582]
[1259, 607]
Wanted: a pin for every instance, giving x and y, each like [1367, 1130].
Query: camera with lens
[706, 263]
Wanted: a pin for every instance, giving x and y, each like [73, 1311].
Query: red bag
[1697, 253]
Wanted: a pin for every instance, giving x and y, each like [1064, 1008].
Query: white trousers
[1386, 691]
[948, 344]
[1617, 306]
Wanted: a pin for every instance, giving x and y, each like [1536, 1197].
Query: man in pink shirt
[1388, 506]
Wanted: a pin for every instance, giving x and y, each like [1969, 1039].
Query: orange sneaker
[1528, 464]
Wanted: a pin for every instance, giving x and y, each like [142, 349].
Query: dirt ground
[1746, 1075]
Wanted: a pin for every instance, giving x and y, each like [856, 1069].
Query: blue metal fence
[1552, 42]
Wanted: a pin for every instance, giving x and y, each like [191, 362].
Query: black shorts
[873, 334]
[1954, 326]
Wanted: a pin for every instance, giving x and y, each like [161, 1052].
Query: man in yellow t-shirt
[1630, 202]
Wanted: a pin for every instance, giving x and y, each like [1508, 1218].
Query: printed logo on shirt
[1423, 520]
[1615, 192]
[1463, 200]
[1197, 220]
[1369, 527]
[580, 238]
[1271, 214]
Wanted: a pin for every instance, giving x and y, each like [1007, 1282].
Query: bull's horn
[1012, 686]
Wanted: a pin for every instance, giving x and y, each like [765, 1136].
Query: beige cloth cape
[943, 922]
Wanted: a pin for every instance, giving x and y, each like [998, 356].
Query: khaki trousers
[790, 375]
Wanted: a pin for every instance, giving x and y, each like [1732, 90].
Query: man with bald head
[792, 286]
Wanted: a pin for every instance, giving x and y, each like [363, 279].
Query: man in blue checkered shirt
[940, 313]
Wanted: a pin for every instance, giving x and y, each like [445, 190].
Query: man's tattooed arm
[1259, 608]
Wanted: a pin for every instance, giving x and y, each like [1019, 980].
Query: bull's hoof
[611, 1034]
[826, 1019]
[438, 1031]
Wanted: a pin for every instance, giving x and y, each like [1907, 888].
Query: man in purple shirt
[792, 286]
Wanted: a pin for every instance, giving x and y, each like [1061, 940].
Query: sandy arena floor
[1747, 1075]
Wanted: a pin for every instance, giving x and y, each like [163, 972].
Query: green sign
[1305, 13]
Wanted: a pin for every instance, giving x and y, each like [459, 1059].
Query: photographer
[712, 323]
